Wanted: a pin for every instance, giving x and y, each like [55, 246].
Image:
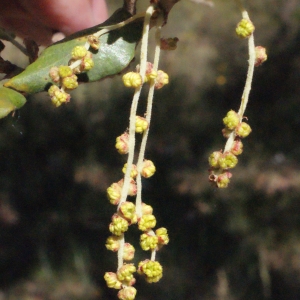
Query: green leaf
[117, 49]
[10, 100]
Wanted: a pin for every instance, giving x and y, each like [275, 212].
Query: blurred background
[239, 243]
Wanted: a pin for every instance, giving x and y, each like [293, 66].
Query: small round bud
[244, 28]
[147, 209]
[125, 273]
[79, 52]
[146, 222]
[127, 209]
[128, 252]
[132, 79]
[228, 160]
[54, 74]
[113, 243]
[237, 147]
[86, 64]
[118, 225]
[133, 172]
[132, 190]
[58, 96]
[152, 269]
[231, 120]
[261, 55]
[223, 180]
[213, 159]
[94, 42]
[70, 82]
[169, 43]
[161, 79]
[243, 130]
[122, 143]
[141, 124]
[112, 280]
[127, 293]
[162, 234]
[114, 193]
[65, 71]
[148, 241]
[148, 168]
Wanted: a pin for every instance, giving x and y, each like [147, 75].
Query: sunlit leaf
[117, 49]
[10, 100]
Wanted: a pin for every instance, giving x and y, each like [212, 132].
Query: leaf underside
[117, 49]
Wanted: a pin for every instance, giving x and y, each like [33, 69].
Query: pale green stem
[131, 142]
[248, 83]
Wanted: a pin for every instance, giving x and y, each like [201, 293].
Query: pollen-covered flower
[127, 293]
[65, 71]
[87, 63]
[132, 79]
[127, 209]
[152, 269]
[243, 130]
[162, 234]
[244, 28]
[231, 120]
[148, 168]
[228, 160]
[58, 96]
[78, 52]
[125, 273]
[114, 193]
[128, 251]
[148, 241]
[141, 124]
[146, 222]
[223, 180]
[70, 82]
[118, 225]
[113, 243]
[122, 143]
[112, 280]
[213, 159]
[147, 209]
[133, 171]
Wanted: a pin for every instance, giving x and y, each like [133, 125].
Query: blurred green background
[238, 243]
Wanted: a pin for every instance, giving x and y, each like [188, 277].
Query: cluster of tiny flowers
[244, 28]
[220, 162]
[64, 77]
[135, 80]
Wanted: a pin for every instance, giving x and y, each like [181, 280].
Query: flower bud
[70, 82]
[118, 225]
[113, 243]
[223, 180]
[125, 273]
[243, 130]
[114, 193]
[148, 168]
[161, 79]
[78, 52]
[58, 96]
[128, 252]
[228, 160]
[86, 64]
[54, 74]
[132, 79]
[231, 120]
[152, 269]
[261, 55]
[122, 143]
[162, 234]
[147, 209]
[146, 222]
[112, 280]
[65, 71]
[148, 241]
[244, 28]
[213, 159]
[127, 293]
[237, 147]
[133, 172]
[127, 209]
[141, 124]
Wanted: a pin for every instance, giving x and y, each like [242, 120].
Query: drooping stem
[131, 142]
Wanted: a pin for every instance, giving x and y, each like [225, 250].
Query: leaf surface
[117, 49]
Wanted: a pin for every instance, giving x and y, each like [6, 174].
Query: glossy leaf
[10, 100]
[117, 49]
